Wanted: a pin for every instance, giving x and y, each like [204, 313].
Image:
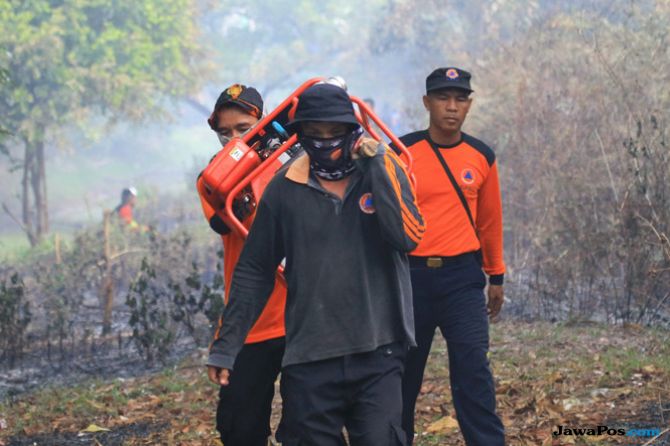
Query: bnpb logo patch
[452, 73]
[468, 176]
[367, 204]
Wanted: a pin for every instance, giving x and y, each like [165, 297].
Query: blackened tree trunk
[40, 190]
[25, 194]
[35, 214]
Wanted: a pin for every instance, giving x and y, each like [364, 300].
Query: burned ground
[570, 374]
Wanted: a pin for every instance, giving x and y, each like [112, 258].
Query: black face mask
[330, 158]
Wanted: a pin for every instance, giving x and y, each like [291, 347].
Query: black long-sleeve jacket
[346, 267]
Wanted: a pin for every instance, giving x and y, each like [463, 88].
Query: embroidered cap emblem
[452, 73]
[234, 91]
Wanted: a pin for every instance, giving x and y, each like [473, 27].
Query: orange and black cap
[448, 77]
[247, 98]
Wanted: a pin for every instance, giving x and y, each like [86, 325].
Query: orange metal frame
[364, 115]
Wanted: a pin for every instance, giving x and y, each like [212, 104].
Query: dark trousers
[452, 298]
[361, 392]
[245, 404]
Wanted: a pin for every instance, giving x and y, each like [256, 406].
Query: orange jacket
[448, 229]
[125, 213]
[270, 324]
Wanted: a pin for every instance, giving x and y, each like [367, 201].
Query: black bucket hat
[324, 103]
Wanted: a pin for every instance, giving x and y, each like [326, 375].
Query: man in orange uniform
[245, 405]
[459, 196]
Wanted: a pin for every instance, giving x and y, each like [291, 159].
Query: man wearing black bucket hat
[459, 195]
[343, 216]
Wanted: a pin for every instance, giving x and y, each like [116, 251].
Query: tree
[73, 62]
[4, 133]
[279, 44]
[4, 82]
[574, 97]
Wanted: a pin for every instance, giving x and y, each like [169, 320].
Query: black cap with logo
[449, 77]
[247, 98]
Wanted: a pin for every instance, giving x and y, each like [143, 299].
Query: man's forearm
[248, 296]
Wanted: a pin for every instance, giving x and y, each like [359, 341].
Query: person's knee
[468, 358]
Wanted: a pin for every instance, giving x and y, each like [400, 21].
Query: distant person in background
[125, 209]
[459, 194]
[245, 401]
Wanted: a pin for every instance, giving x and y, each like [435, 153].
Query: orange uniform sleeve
[490, 225]
[399, 217]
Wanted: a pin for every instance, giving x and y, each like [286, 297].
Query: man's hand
[218, 375]
[365, 147]
[496, 299]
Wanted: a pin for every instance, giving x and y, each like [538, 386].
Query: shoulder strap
[453, 182]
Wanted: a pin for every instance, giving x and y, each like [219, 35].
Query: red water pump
[239, 173]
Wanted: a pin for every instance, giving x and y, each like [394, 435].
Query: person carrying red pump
[245, 402]
[343, 217]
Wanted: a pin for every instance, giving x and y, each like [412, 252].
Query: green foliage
[150, 315]
[166, 298]
[66, 284]
[276, 45]
[84, 62]
[69, 60]
[571, 109]
[4, 133]
[192, 297]
[14, 248]
[185, 300]
[211, 297]
[15, 315]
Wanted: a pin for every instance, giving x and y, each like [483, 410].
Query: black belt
[438, 261]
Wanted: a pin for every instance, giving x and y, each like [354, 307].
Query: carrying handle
[365, 114]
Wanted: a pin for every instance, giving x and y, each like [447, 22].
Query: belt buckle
[434, 262]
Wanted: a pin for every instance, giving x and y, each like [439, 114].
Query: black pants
[245, 404]
[452, 298]
[361, 392]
